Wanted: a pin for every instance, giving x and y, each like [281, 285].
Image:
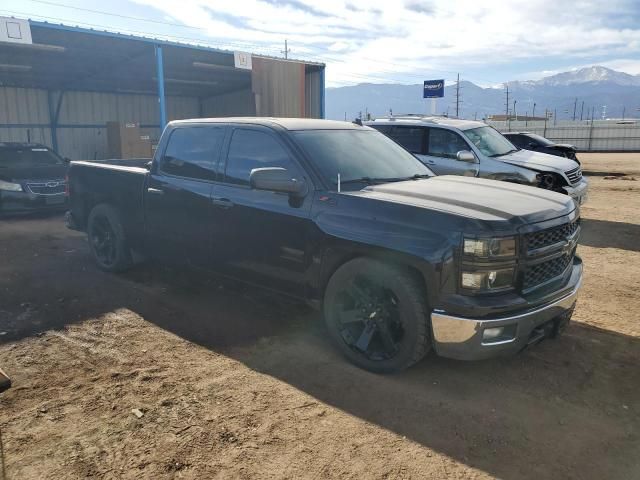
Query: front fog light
[499, 334]
[492, 333]
[488, 279]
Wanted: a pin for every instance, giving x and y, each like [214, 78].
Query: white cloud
[402, 40]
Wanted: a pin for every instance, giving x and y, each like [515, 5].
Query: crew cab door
[264, 235]
[442, 146]
[178, 195]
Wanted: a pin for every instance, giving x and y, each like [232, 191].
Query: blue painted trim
[160, 76]
[322, 88]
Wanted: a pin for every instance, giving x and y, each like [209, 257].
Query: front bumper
[579, 192]
[463, 338]
[25, 202]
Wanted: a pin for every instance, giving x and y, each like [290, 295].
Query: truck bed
[92, 183]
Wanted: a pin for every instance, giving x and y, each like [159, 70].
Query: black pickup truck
[337, 214]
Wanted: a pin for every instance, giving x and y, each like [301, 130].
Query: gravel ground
[159, 374]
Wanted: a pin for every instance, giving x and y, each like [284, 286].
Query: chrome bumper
[580, 192]
[463, 338]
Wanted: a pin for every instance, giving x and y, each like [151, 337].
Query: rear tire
[107, 239]
[378, 316]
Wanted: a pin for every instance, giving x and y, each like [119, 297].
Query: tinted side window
[519, 141]
[410, 138]
[445, 143]
[193, 152]
[251, 149]
[386, 129]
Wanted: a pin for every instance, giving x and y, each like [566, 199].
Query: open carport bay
[233, 382]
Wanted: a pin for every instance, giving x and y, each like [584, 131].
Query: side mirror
[148, 165]
[532, 145]
[466, 156]
[277, 179]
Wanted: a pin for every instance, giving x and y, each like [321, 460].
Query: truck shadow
[608, 234]
[535, 415]
[559, 401]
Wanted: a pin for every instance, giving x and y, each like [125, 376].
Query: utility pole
[534, 110]
[515, 112]
[624, 109]
[581, 110]
[555, 115]
[458, 97]
[507, 102]
[286, 49]
[575, 105]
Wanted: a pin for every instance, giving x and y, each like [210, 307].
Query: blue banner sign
[433, 89]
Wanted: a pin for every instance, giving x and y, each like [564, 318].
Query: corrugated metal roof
[158, 40]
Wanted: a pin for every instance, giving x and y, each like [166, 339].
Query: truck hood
[538, 161]
[476, 198]
[20, 174]
[564, 146]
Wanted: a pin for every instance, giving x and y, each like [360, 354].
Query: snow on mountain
[595, 86]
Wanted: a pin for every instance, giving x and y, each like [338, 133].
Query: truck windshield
[489, 141]
[28, 157]
[359, 156]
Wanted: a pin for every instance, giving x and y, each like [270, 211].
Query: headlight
[488, 280]
[490, 247]
[10, 187]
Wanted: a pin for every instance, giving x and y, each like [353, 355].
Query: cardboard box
[124, 140]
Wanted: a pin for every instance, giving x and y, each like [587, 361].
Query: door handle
[222, 202]
[155, 191]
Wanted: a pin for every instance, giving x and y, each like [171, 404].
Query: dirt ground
[233, 382]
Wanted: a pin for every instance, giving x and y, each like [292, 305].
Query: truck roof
[422, 120]
[286, 123]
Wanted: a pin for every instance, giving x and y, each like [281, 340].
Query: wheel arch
[336, 255]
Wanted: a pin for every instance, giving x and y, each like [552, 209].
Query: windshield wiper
[418, 176]
[378, 180]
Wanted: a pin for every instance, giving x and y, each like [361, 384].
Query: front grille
[543, 272]
[549, 237]
[574, 175]
[51, 187]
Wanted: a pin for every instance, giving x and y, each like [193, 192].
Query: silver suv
[463, 147]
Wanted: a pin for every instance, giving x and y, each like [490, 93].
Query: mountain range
[587, 90]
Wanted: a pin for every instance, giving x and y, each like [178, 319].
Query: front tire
[378, 316]
[107, 239]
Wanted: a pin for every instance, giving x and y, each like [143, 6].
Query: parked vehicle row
[463, 147]
[400, 260]
[32, 178]
[537, 143]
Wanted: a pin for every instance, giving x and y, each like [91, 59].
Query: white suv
[463, 147]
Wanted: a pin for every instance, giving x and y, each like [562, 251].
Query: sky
[383, 41]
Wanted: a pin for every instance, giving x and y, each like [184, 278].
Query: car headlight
[488, 280]
[10, 187]
[503, 247]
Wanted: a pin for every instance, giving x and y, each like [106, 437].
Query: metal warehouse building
[60, 85]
